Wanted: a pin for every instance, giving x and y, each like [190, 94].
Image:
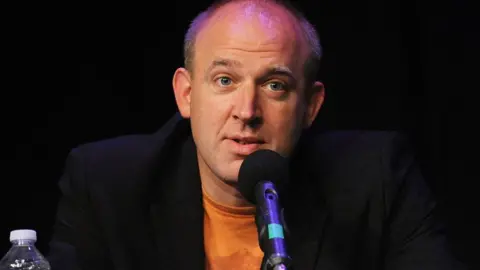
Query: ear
[315, 98]
[182, 87]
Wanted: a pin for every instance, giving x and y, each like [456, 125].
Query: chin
[229, 172]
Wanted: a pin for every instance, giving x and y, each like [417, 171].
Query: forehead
[247, 29]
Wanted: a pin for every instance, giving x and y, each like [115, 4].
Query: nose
[246, 106]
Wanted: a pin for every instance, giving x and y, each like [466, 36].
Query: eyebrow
[223, 63]
[279, 70]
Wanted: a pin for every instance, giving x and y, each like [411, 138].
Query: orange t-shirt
[230, 237]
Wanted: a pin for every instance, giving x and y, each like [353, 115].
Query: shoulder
[358, 145]
[116, 150]
[368, 140]
[358, 163]
[125, 160]
[130, 148]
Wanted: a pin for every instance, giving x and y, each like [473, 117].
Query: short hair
[308, 30]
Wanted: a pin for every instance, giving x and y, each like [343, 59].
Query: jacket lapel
[176, 208]
[305, 212]
[306, 218]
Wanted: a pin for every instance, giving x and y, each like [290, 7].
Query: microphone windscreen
[261, 165]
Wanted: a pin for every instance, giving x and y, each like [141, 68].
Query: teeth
[243, 142]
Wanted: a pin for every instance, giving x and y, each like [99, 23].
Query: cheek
[209, 106]
[208, 111]
[284, 123]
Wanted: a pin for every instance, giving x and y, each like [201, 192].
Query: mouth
[245, 142]
[245, 146]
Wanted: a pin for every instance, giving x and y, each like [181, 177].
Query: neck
[223, 193]
[219, 190]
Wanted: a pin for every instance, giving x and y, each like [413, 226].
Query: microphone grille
[261, 165]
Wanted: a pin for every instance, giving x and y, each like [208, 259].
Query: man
[169, 200]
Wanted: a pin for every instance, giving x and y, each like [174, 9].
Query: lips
[245, 145]
[248, 141]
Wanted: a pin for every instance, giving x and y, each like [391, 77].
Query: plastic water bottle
[23, 254]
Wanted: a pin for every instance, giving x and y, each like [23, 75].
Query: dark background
[83, 72]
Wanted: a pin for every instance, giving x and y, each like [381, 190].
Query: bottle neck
[23, 242]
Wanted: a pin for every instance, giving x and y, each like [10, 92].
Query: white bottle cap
[23, 235]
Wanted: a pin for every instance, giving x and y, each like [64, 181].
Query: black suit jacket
[355, 200]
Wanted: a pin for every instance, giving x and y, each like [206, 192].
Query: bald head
[268, 15]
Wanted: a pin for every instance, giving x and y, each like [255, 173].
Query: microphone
[261, 173]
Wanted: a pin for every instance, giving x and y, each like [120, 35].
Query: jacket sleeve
[76, 242]
[416, 236]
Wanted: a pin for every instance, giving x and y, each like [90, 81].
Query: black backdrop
[82, 72]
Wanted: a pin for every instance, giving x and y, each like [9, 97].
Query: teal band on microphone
[275, 231]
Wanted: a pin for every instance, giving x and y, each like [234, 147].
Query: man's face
[247, 89]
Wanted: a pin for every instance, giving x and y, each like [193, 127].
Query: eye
[224, 81]
[276, 86]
